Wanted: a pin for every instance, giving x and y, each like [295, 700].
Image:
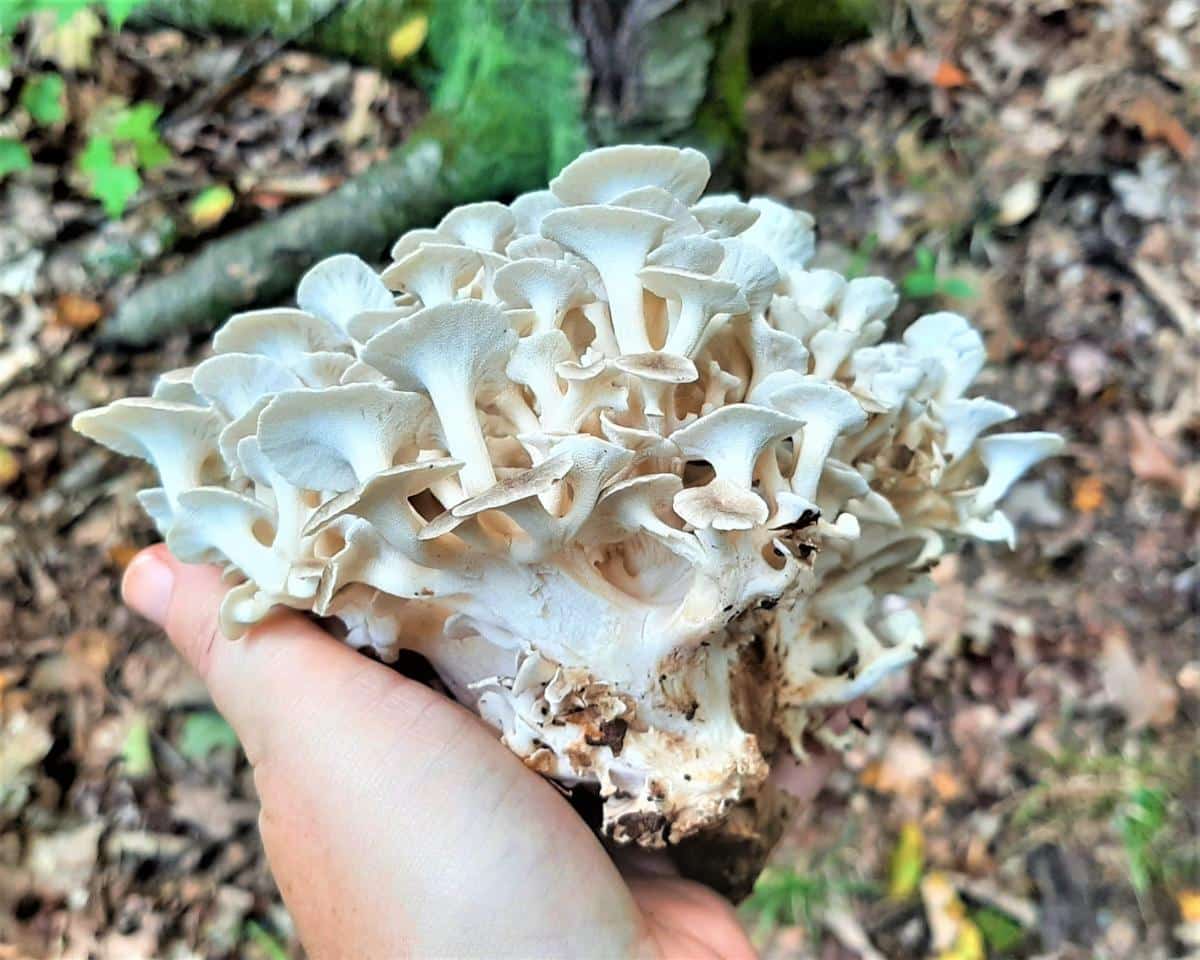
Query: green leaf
[919, 284]
[135, 125]
[1002, 933]
[958, 288]
[14, 156]
[118, 11]
[926, 261]
[267, 944]
[205, 732]
[136, 754]
[112, 183]
[907, 863]
[43, 98]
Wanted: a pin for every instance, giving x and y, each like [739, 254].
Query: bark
[262, 262]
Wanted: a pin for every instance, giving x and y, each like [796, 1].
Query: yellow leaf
[968, 945]
[1189, 905]
[408, 38]
[210, 206]
[10, 467]
[67, 44]
[908, 860]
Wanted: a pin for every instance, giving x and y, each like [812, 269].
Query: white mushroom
[453, 352]
[646, 490]
[337, 438]
[615, 240]
[340, 287]
[731, 439]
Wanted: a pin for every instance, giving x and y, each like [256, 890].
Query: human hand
[396, 823]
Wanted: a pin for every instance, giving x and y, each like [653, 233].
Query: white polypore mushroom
[602, 175]
[731, 440]
[179, 440]
[453, 352]
[827, 411]
[336, 438]
[340, 287]
[614, 240]
[434, 272]
[699, 299]
[549, 287]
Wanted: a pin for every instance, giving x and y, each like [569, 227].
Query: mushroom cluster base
[650, 494]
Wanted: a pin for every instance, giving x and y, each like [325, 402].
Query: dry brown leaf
[1139, 690]
[1150, 457]
[1088, 496]
[76, 312]
[1156, 123]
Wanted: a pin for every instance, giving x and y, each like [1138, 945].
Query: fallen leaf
[948, 76]
[952, 934]
[1139, 690]
[1088, 496]
[61, 863]
[210, 206]
[1189, 905]
[408, 38]
[907, 863]
[1156, 123]
[1151, 458]
[1019, 202]
[904, 768]
[10, 467]
[78, 313]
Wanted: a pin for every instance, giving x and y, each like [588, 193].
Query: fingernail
[147, 587]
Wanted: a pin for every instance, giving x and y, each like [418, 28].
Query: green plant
[861, 257]
[14, 12]
[122, 144]
[783, 896]
[14, 156]
[923, 280]
[1000, 931]
[1140, 823]
[42, 96]
[268, 945]
[203, 732]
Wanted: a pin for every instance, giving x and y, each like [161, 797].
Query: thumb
[271, 683]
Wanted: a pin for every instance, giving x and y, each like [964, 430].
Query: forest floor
[1031, 789]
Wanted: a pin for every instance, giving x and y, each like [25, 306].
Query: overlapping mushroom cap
[647, 491]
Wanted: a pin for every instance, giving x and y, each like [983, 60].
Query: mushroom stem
[455, 406]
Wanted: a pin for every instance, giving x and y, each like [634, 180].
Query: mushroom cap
[334, 439]
[279, 333]
[235, 382]
[694, 254]
[809, 400]
[131, 426]
[709, 294]
[603, 235]
[657, 367]
[599, 176]
[481, 226]
[745, 424]
[787, 235]
[529, 208]
[341, 286]
[470, 336]
[544, 285]
[433, 271]
[721, 505]
[410, 241]
[724, 215]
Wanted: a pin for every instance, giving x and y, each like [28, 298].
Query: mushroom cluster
[648, 493]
